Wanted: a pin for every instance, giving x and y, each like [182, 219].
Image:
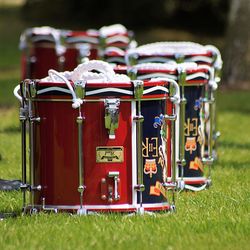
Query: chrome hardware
[81, 186]
[132, 73]
[179, 58]
[32, 89]
[169, 185]
[24, 186]
[170, 117]
[115, 175]
[103, 189]
[36, 188]
[140, 187]
[44, 208]
[180, 185]
[80, 89]
[110, 194]
[138, 89]
[183, 101]
[208, 161]
[111, 116]
[35, 119]
[138, 118]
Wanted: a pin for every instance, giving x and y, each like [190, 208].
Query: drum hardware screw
[181, 162]
[172, 208]
[139, 118]
[170, 117]
[36, 188]
[180, 185]
[24, 187]
[209, 161]
[81, 189]
[169, 185]
[33, 211]
[103, 197]
[140, 187]
[209, 183]
[110, 194]
[32, 59]
[35, 119]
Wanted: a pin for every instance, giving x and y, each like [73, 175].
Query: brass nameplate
[109, 154]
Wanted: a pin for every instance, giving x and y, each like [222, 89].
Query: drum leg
[138, 86]
[81, 187]
[23, 116]
[183, 101]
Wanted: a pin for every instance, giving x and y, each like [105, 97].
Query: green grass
[214, 219]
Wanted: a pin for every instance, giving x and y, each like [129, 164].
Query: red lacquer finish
[56, 153]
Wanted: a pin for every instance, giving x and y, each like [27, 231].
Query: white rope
[107, 73]
[76, 101]
[16, 94]
[112, 29]
[196, 189]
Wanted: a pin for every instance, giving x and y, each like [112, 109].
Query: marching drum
[115, 41]
[171, 52]
[194, 82]
[111, 150]
[41, 50]
[80, 45]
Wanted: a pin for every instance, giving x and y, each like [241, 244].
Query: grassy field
[218, 218]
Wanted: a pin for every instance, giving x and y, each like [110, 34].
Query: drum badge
[150, 167]
[158, 121]
[196, 164]
[158, 189]
[197, 104]
[190, 144]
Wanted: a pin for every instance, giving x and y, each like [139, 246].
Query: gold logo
[190, 144]
[150, 167]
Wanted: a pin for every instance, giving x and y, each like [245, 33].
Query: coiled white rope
[76, 101]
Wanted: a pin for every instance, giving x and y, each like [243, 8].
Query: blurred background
[223, 23]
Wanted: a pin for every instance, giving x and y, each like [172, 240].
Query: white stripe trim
[195, 75]
[155, 75]
[82, 39]
[116, 59]
[147, 91]
[199, 58]
[98, 91]
[106, 207]
[154, 59]
[53, 89]
[114, 39]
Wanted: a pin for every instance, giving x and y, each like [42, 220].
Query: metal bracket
[80, 89]
[115, 175]
[111, 116]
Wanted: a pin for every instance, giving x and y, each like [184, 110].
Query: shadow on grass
[231, 144]
[243, 164]
[11, 129]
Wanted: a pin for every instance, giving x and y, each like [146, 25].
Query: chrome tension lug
[170, 117]
[208, 161]
[24, 187]
[36, 188]
[140, 187]
[111, 117]
[169, 185]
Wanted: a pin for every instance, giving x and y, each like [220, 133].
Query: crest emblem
[190, 144]
[150, 167]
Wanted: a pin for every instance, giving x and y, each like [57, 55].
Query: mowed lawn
[217, 218]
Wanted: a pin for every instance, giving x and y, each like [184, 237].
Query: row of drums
[117, 128]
